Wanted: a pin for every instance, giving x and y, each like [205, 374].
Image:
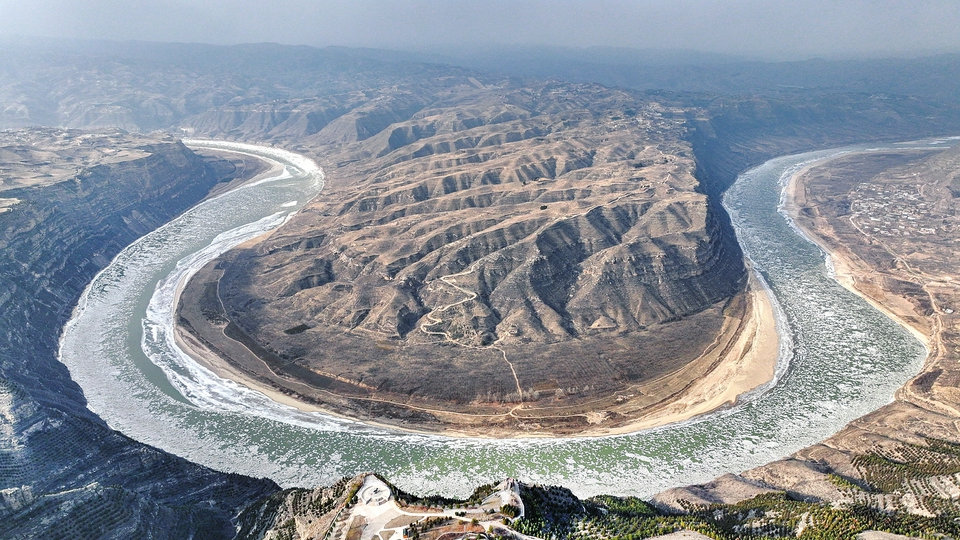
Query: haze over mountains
[783, 30]
[367, 102]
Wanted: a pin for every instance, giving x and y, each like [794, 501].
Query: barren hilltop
[535, 259]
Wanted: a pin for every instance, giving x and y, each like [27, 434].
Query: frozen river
[841, 359]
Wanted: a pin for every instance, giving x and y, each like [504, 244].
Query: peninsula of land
[71, 201]
[507, 262]
[743, 358]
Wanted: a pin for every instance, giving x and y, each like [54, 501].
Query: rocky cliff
[63, 472]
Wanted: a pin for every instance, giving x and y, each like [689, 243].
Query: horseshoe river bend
[839, 359]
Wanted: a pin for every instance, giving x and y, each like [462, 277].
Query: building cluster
[897, 211]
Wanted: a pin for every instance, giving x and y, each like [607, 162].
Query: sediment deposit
[285, 96]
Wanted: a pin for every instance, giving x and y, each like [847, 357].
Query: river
[840, 359]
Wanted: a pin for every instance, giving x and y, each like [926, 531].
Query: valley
[447, 191]
[906, 480]
[61, 467]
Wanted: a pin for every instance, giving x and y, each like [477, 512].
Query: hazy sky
[767, 28]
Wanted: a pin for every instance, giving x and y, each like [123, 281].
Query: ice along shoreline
[750, 364]
[307, 449]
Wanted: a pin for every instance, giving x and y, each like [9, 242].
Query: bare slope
[497, 251]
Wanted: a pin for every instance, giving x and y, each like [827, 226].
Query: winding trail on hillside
[469, 296]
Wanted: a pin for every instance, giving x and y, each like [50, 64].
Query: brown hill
[890, 222]
[501, 250]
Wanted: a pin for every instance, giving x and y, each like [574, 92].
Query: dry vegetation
[513, 259]
[41, 156]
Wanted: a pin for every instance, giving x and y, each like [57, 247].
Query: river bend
[840, 359]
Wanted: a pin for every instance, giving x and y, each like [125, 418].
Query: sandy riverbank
[743, 358]
[254, 168]
[858, 276]
[749, 363]
[848, 269]
[913, 281]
